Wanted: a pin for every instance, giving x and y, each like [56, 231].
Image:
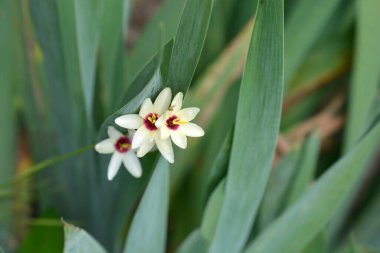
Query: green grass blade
[188, 43]
[148, 229]
[365, 80]
[278, 189]
[310, 214]
[307, 165]
[78, 240]
[257, 123]
[194, 243]
[304, 24]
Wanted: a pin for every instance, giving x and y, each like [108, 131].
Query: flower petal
[132, 163]
[113, 133]
[105, 147]
[161, 120]
[164, 133]
[129, 121]
[145, 148]
[188, 114]
[177, 102]
[162, 102]
[192, 130]
[166, 149]
[141, 136]
[146, 108]
[179, 139]
[114, 165]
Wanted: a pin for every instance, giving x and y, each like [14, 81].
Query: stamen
[123, 144]
[150, 121]
[173, 122]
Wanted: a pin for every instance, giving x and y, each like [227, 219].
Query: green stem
[44, 164]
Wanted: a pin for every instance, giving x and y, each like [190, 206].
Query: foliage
[289, 100]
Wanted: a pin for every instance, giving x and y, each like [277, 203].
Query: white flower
[175, 123]
[120, 147]
[147, 134]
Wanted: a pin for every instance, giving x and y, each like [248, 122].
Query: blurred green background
[66, 66]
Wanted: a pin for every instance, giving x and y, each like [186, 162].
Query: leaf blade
[261, 88]
[320, 202]
[148, 229]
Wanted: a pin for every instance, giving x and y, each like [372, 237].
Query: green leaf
[256, 129]
[152, 87]
[88, 15]
[169, 15]
[278, 189]
[306, 167]
[188, 43]
[365, 80]
[194, 243]
[302, 29]
[9, 75]
[219, 166]
[112, 53]
[310, 214]
[78, 240]
[148, 230]
[363, 91]
[212, 212]
[317, 245]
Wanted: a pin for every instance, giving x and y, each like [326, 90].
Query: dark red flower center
[123, 144]
[150, 121]
[172, 122]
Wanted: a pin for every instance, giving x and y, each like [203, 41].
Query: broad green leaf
[304, 24]
[256, 128]
[88, 15]
[310, 214]
[212, 212]
[1, 250]
[148, 230]
[188, 43]
[8, 80]
[194, 243]
[278, 188]
[112, 53]
[366, 71]
[169, 15]
[152, 87]
[307, 165]
[147, 84]
[78, 240]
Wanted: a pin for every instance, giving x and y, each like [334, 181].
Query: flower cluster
[156, 125]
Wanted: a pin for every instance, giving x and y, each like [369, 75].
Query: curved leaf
[257, 124]
[188, 44]
[78, 240]
[308, 216]
[148, 230]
